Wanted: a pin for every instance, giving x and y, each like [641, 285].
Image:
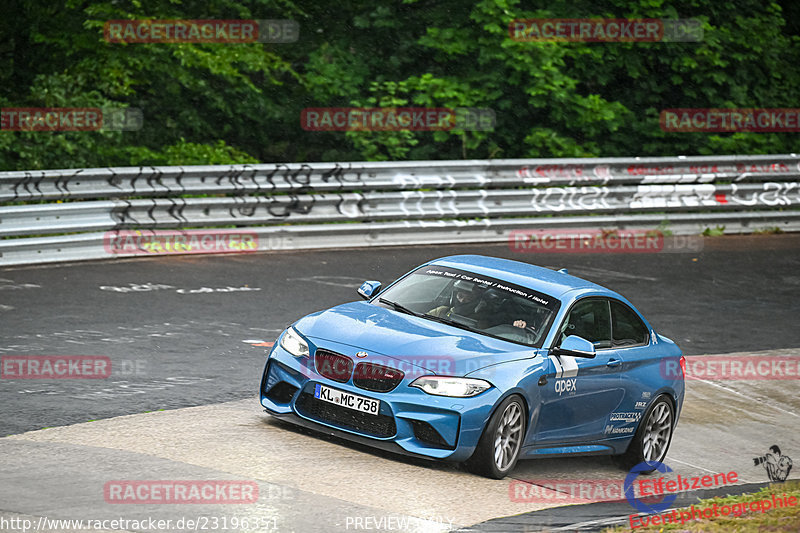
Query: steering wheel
[513, 333]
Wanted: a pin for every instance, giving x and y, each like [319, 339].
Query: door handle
[613, 363]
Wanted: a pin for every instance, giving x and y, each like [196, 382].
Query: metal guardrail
[66, 215]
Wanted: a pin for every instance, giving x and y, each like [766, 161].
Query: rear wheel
[499, 446]
[652, 439]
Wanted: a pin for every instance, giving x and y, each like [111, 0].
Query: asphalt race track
[186, 338]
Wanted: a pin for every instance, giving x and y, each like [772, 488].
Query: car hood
[395, 336]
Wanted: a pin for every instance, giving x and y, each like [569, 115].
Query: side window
[591, 320]
[627, 327]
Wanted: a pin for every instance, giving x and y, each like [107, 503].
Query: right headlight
[453, 387]
[293, 343]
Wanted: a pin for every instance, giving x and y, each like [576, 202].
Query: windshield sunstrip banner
[486, 282]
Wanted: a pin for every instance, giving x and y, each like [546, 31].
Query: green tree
[242, 102]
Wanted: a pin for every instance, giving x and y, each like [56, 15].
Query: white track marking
[673, 460]
[746, 396]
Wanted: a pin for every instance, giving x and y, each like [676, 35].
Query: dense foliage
[221, 103]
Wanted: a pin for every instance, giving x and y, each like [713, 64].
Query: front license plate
[345, 399]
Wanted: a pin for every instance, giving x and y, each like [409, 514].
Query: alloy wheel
[508, 436]
[657, 433]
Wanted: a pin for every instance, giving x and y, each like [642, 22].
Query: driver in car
[463, 301]
[466, 301]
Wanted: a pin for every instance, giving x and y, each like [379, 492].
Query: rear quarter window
[627, 328]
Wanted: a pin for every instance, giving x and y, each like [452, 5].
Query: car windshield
[471, 301]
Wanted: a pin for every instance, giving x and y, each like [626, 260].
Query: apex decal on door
[566, 385]
[565, 367]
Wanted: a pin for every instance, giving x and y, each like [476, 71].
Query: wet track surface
[185, 331]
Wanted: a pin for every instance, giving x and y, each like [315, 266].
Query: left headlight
[447, 386]
[293, 343]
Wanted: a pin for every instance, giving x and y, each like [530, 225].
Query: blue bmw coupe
[482, 361]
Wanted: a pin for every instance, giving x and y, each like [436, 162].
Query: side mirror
[368, 289]
[575, 346]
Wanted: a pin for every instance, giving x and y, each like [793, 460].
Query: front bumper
[409, 421]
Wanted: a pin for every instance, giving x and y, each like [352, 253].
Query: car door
[577, 394]
[632, 343]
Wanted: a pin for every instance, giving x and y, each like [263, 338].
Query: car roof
[534, 277]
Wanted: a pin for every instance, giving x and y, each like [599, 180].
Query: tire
[652, 438]
[498, 448]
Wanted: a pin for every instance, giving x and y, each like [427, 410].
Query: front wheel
[499, 445]
[652, 439]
